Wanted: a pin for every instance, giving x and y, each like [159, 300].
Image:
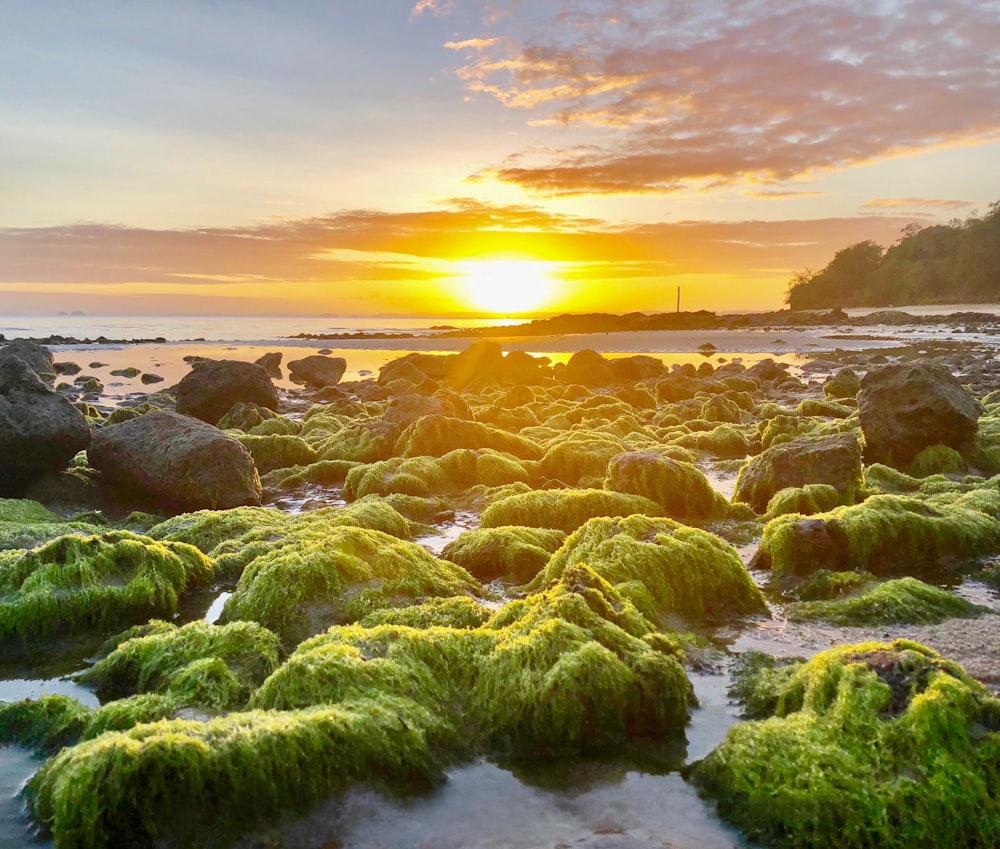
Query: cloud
[917, 203]
[363, 250]
[438, 8]
[672, 94]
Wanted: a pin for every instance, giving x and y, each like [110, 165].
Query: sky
[448, 157]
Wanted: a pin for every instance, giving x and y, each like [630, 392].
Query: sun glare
[510, 286]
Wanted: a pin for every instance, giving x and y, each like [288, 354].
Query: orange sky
[444, 157]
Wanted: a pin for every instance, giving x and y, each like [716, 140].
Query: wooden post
[678, 299]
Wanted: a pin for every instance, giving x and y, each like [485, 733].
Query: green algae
[25, 511]
[322, 472]
[805, 500]
[564, 509]
[875, 744]
[45, 724]
[435, 436]
[824, 585]
[172, 660]
[886, 534]
[339, 575]
[512, 552]
[185, 781]
[722, 441]
[663, 567]
[76, 584]
[577, 458]
[460, 612]
[937, 460]
[904, 600]
[360, 442]
[824, 409]
[680, 488]
[277, 451]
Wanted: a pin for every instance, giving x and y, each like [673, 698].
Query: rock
[66, 368]
[149, 378]
[588, 368]
[129, 372]
[906, 407]
[680, 488]
[176, 462]
[40, 431]
[639, 367]
[318, 371]
[522, 368]
[406, 409]
[38, 358]
[211, 389]
[833, 460]
[767, 369]
[244, 416]
[480, 359]
[844, 384]
[271, 363]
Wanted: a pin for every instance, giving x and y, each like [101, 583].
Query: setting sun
[508, 286]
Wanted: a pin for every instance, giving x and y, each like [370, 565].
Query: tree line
[952, 263]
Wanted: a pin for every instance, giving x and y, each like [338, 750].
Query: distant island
[950, 263]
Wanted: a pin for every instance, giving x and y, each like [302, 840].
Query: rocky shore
[488, 554]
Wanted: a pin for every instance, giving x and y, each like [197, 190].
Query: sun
[508, 286]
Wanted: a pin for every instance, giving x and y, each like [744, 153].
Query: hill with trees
[950, 263]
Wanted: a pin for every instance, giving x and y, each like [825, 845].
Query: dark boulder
[480, 359]
[906, 407]
[271, 363]
[175, 463]
[406, 409]
[214, 386]
[588, 368]
[317, 370]
[40, 430]
[833, 460]
[844, 384]
[38, 357]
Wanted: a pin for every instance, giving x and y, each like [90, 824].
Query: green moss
[564, 509]
[460, 612]
[412, 507]
[826, 409]
[663, 567]
[563, 675]
[175, 660]
[435, 436]
[277, 451]
[885, 535]
[937, 460]
[323, 472]
[579, 458]
[758, 681]
[22, 510]
[905, 600]
[824, 585]
[360, 442]
[75, 584]
[340, 575]
[45, 724]
[191, 782]
[516, 553]
[806, 500]
[725, 440]
[681, 489]
[882, 745]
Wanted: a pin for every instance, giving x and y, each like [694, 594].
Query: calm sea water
[176, 328]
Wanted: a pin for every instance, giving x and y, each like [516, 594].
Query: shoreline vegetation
[282, 595]
[603, 323]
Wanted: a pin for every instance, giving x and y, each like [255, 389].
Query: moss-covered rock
[937, 460]
[828, 409]
[168, 659]
[833, 460]
[459, 612]
[875, 744]
[564, 509]
[663, 567]
[885, 535]
[515, 553]
[435, 436]
[723, 441]
[579, 457]
[278, 451]
[195, 782]
[79, 584]
[904, 600]
[806, 500]
[679, 488]
[311, 582]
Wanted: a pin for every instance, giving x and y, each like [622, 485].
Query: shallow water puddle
[16, 767]
[448, 532]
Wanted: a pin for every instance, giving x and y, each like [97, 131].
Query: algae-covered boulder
[317, 370]
[870, 745]
[481, 359]
[516, 553]
[588, 368]
[663, 567]
[76, 585]
[299, 586]
[844, 384]
[906, 407]
[903, 600]
[211, 389]
[885, 535]
[579, 458]
[198, 783]
[278, 451]
[163, 658]
[176, 462]
[808, 499]
[435, 436]
[576, 667]
[678, 487]
[833, 460]
[40, 430]
[564, 509]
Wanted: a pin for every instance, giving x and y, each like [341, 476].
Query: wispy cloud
[917, 203]
[679, 94]
[440, 8]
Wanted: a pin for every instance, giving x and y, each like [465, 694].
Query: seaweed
[564, 509]
[515, 553]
